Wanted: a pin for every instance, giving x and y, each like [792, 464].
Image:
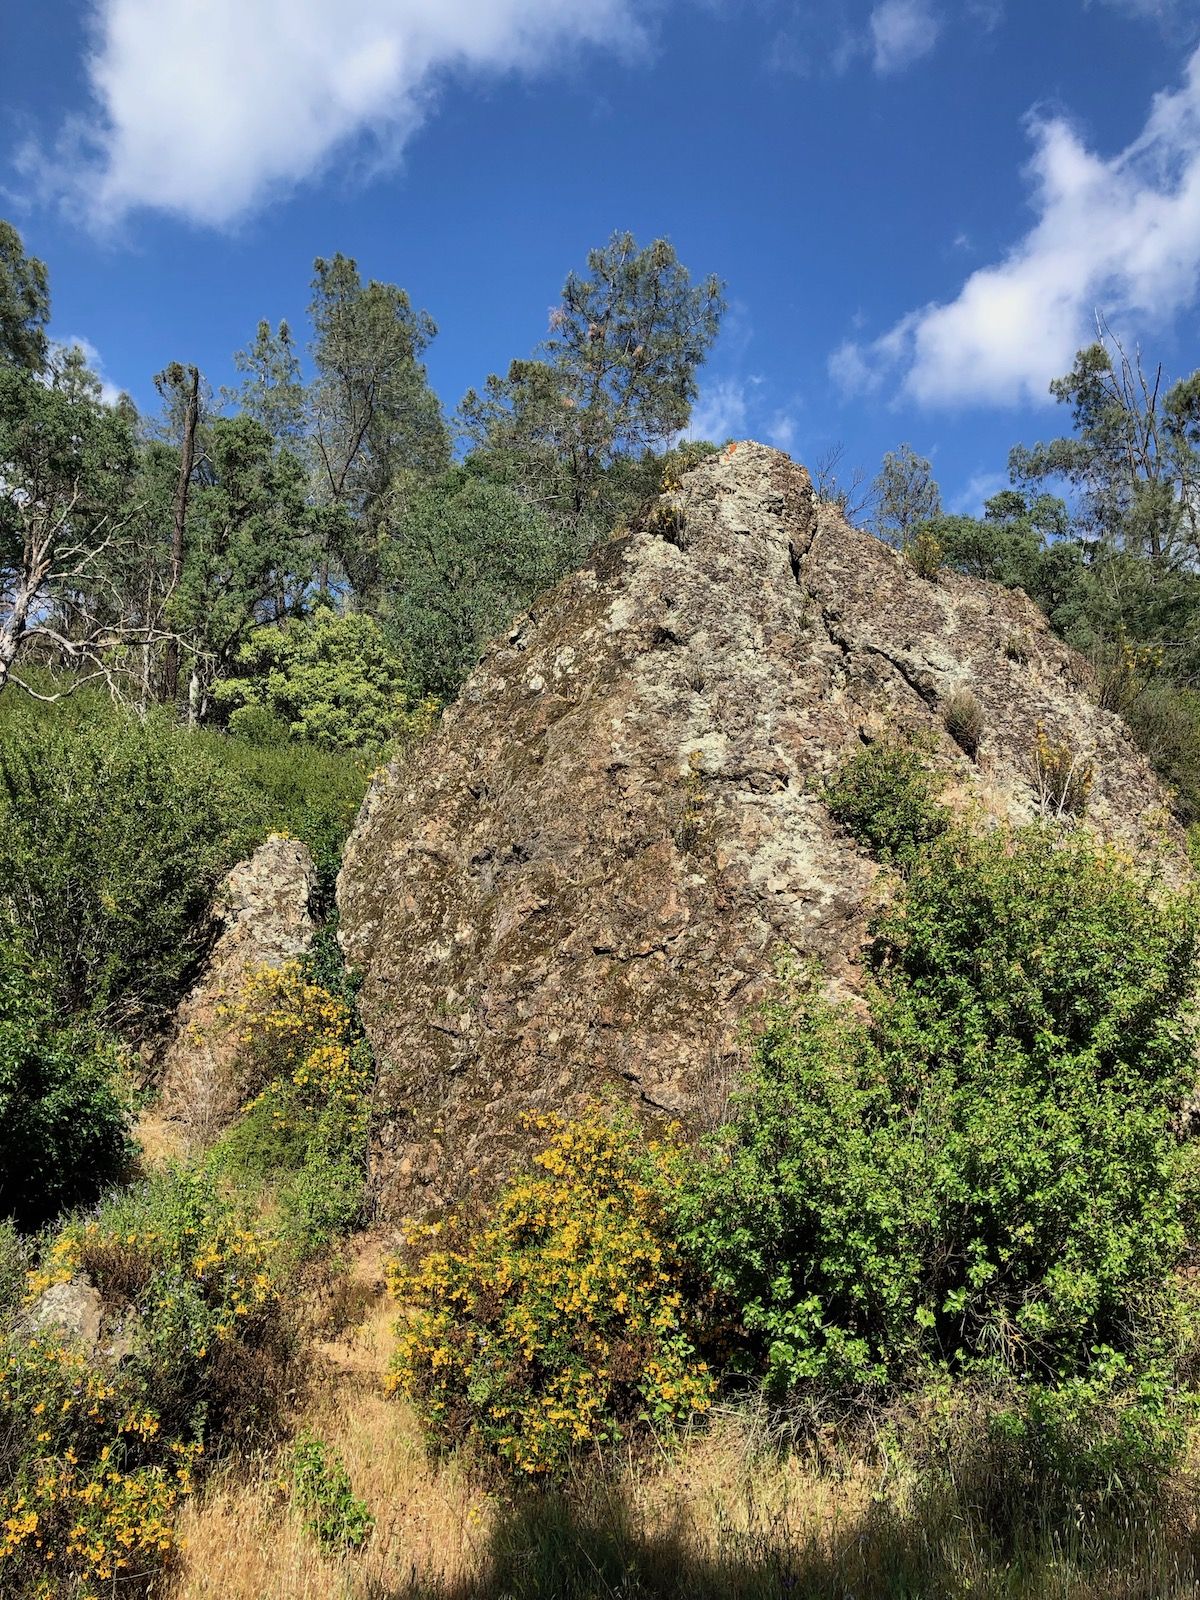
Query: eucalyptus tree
[1132, 457]
[905, 494]
[67, 464]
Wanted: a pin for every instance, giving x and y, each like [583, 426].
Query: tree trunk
[194, 705]
[187, 460]
[12, 631]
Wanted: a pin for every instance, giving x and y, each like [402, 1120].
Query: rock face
[265, 911]
[582, 881]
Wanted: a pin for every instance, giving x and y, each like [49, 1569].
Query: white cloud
[787, 54]
[989, 14]
[206, 108]
[1165, 11]
[781, 431]
[1121, 234]
[969, 501]
[902, 31]
[110, 392]
[721, 411]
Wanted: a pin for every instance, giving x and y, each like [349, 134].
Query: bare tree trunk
[194, 703]
[187, 460]
[12, 630]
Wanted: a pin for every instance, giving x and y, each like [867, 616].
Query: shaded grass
[730, 1513]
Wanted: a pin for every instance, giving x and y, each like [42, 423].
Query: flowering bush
[561, 1321]
[310, 1068]
[94, 1487]
[95, 1457]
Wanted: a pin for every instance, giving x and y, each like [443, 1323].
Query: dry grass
[160, 1139]
[722, 1517]
[241, 1540]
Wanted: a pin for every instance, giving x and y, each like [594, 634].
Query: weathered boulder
[582, 881]
[77, 1309]
[264, 909]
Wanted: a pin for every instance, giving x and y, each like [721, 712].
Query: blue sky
[917, 205]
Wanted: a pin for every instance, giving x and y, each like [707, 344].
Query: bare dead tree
[185, 381]
[849, 489]
[53, 561]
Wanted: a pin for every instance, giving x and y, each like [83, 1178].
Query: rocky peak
[580, 884]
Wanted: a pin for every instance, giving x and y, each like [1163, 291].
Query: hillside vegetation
[919, 1317]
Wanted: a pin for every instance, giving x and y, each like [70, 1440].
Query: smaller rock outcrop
[78, 1309]
[264, 908]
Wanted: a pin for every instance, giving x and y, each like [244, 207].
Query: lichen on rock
[581, 884]
[264, 913]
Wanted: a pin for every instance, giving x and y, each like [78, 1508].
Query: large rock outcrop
[582, 881]
[264, 912]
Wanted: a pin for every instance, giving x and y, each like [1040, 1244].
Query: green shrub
[115, 835]
[886, 797]
[983, 1174]
[1101, 1440]
[64, 1120]
[304, 791]
[15, 1262]
[322, 1491]
[561, 1320]
[924, 553]
[1165, 721]
[332, 681]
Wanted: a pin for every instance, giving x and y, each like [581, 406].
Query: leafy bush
[308, 793]
[333, 681]
[1165, 721]
[924, 553]
[15, 1255]
[116, 833]
[1103, 1439]
[886, 797]
[64, 1121]
[562, 1319]
[322, 1490]
[983, 1174]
